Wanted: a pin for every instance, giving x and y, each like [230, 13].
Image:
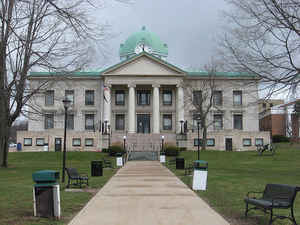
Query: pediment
[144, 65]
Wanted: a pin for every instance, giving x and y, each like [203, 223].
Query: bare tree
[44, 34]
[263, 38]
[201, 99]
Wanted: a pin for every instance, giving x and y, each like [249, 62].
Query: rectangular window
[238, 122]
[237, 98]
[69, 94]
[89, 121]
[70, 122]
[143, 97]
[217, 98]
[247, 142]
[89, 142]
[120, 97]
[167, 97]
[167, 122]
[197, 97]
[27, 141]
[120, 122]
[40, 141]
[197, 141]
[49, 121]
[49, 97]
[259, 141]
[218, 122]
[210, 142]
[76, 142]
[89, 97]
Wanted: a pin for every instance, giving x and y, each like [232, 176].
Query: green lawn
[232, 174]
[16, 184]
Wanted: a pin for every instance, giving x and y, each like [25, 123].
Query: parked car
[12, 145]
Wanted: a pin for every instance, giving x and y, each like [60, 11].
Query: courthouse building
[144, 98]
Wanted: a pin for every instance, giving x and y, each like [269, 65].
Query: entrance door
[143, 123]
[228, 144]
[58, 144]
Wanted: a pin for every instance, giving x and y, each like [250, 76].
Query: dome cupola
[143, 41]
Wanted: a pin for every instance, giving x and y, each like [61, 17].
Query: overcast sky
[188, 27]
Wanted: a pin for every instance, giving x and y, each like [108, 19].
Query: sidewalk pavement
[146, 193]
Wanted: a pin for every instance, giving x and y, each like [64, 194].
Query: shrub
[171, 150]
[280, 138]
[105, 150]
[182, 149]
[114, 149]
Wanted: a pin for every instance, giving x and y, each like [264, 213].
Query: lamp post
[162, 142]
[198, 126]
[124, 140]
[108, 128]
[181, 129]
[66, 103]
[105, 126]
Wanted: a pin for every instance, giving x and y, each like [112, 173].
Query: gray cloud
[188, 27]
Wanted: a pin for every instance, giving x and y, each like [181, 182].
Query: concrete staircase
[144, 142]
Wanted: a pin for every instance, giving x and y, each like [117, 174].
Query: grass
[16, 201]
[232, 174]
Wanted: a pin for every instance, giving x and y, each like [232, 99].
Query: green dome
[147, 38]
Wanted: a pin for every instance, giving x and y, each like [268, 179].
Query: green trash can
[46, 195]
[162, 157]
[119, 159]
[200, 175]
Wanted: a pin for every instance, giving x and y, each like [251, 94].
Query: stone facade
[144, 99]
[141, 74]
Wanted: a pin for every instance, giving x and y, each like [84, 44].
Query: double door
[143, 123]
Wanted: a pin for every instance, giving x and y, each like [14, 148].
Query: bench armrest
[253, 192]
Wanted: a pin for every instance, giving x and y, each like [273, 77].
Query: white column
[156, 114]
[107, 104]
[179, 107]
[131, 109]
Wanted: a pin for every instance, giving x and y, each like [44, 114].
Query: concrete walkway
[146, 193]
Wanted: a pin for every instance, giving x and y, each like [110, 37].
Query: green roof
[73, 74]
[148, 38]
[221, 74]
[198, 74]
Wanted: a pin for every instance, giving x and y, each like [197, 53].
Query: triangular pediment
[144, 64]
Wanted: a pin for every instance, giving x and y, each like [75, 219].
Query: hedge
[114, 149]
[171, 150]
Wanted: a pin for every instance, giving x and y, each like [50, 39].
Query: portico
[146, 108]
[152, 96]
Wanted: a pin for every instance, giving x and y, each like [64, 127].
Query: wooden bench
[79, 179]
[172, 161]
[268, 147]
[189, 169]
[107, 163]
[275, 196]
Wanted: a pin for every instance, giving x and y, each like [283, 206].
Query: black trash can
[96, 168]
[180, 163]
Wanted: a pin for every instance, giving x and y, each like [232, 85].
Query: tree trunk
[204, 136]
[4, 151]
[4, 131]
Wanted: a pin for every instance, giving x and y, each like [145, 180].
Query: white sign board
[199, 180]
[162, 158]
[119, 161]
